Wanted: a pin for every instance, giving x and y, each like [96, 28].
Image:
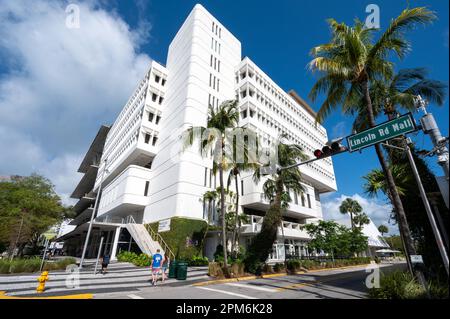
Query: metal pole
[434, 226]
[45, 252]
[17, 239]
[92, 216]
[98, 254]
[429, 126]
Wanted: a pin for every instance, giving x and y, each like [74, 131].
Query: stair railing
[157, 237]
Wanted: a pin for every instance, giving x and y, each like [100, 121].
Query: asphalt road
[336, 284]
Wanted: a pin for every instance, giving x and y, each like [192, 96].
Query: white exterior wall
[178, 177]
[127, 188]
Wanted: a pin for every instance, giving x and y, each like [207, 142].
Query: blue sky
[84, 76]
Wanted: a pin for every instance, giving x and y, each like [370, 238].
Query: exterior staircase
[147, 240]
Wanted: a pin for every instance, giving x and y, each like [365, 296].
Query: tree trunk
[224, 220]
[351, 220]
[395, 197]
[236, 219]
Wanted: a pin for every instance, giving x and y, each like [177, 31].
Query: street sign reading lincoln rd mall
[382, 132]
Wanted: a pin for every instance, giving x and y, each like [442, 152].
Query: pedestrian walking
[105, 262]
[157, 260]
[165, 265]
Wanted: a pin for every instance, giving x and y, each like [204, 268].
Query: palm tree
[351, 207]
[277, 190]
[209, 197]
[400, 93]
[361, 219]
[349, 64]
[383, 230]
[225, 117]
[235, 174]
[376, 182]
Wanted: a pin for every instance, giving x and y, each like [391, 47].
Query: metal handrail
[161, 241]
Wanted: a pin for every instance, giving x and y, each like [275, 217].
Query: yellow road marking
[79, 296]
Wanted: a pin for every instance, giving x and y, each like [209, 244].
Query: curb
[79, 296]
[220, 281]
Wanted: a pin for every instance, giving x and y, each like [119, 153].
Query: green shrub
[180, 230]
[29, 265]
[398, 285]
[198, 261]
[278, 267]
[141, 260]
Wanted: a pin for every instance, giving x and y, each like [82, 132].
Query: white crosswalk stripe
[249, 286]
[133, 296]
[227, 292]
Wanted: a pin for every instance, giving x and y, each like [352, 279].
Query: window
[147, 183]
[242, 188]
[150, 116]
[157, 78]
[147, 138]
[161, 99]
[210, 178]
[244, 114]
[210, 79]
[211, 61]
[157, 119]
[218, 66]
[155, 139]
[309, 200]
[218, 82]
[213, 24]
[303, 200]
[206, 174]
[295, 198]
[163, 82]
[154, 97]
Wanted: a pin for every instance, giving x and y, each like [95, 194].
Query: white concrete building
[144, 173]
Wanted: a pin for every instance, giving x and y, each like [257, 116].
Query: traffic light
[331, 148]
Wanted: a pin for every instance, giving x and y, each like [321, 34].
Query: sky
[59, 84]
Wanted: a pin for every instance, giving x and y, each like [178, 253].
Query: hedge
[141, 260]
[29, 265]
[182, 229]
[298, 264]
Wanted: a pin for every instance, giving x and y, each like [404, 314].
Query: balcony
[257, 201]
[127, 193]
[290, 229]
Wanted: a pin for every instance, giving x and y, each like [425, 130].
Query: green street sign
[382, 132]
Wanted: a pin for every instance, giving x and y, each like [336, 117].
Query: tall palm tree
[351, 207]
[276, 189]
[235, 174]
[225, 117]
[399, 93]
[383, 229]
[349, 63]
[376, 182]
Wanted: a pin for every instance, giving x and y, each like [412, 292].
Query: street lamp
[86, 242]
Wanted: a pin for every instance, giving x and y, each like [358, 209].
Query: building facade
[145, 173]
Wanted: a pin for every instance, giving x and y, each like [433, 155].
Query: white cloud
[58, 85]
[339, 130]
[378, 211]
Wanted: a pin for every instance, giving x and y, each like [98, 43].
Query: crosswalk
[120, 277]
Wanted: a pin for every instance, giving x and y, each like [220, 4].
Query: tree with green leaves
[29, 206]
[383, 229]
[360, 220]
[276, 188]
[351, 207]
[349, 64]
[215, 140]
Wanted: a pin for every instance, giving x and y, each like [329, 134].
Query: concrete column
[114, 244]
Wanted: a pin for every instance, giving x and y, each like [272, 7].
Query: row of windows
[150, 138]
[127, 112]
[152, 116]
[272, 106]
[216, 29]
[157, 98]
[125, 145]
[280, 96]
[214, 82]
[215, 63]
[211, 182]
[215, 45]
[213, 101]
[130, 124]
[158, 78]
[267, 140]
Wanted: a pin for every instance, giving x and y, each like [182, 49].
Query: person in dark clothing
[105, 262]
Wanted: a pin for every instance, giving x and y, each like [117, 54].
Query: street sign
[164, 225]
[382, 132]
[416, 259]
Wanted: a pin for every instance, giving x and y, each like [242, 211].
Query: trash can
[173, 269]
[182, 270]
